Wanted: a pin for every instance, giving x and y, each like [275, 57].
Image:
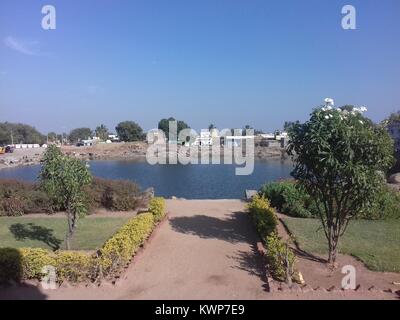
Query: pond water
[190, 181]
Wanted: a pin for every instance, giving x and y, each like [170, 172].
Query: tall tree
[163, 125]
[339, 158]
[79, 134]
[129, 131]
[64, 178]
[102, 132]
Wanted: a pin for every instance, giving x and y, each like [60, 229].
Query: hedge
[75, 266]
[280, 257]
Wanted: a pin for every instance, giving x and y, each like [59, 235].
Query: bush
[115, 195]
[74, 266]
[119, 249]
[18, 198]
[33, 260]
[289, 198]
[263, 215]
[385, 205]
[157, 208]
[279, 256]
[28, 263]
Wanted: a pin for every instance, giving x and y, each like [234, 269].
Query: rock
[394, 178]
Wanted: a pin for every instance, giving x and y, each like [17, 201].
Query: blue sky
[229, 62]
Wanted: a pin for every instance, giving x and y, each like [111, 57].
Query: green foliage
[290, 198]
[129, 131]
[21, 133]
[157, 208]
[79, 134]
[279, 256]
[339, 156]
[64, 179]
[384, 205]
[102, 132]
[263, 215]
[163, 125]
[72, 266]
[115, 195]
[28, 263]
[119, 249]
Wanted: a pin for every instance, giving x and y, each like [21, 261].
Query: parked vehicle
[9, 149]
[2, 150]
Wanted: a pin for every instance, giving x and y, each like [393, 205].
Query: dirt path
[206, 250]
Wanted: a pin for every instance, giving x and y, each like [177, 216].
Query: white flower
[329, 102]
[339, 110]
[326, 117]
[360, 121]
[330, 116]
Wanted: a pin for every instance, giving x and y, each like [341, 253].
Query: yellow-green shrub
[74, 266]
[279, 256]
[119, 249]
[33, 260]
[263, 215]
[157, 208]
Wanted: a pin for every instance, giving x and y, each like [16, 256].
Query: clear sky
[227, 62]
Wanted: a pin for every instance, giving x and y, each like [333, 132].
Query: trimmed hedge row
[75, 266]
[279, 256]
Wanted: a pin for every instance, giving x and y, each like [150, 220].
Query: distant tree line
[19, 133]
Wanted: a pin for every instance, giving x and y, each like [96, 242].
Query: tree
[20, 133]
[64, 178]
[129, 131]
[79, 134]
[339, 158]
[288, 124]
[52, 137]
[163, 125]
[102, 132]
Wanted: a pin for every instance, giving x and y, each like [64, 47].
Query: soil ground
[206, 250]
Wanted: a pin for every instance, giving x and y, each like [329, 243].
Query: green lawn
[376, 243]
[49, 232]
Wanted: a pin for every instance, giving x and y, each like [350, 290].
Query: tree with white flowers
[339, 158]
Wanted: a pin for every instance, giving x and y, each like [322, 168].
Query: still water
[190, 181]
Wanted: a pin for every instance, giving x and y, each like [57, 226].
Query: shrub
[279, 256]
[263, 215]
[289, 198]
[33, 260]
[385, 205]
[18, 198]
[157, 208]
[116, 195]
[74, 266]
[119, 249]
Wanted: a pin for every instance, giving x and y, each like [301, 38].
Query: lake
[190, 181]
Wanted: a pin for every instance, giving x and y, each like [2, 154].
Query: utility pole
[12, 138]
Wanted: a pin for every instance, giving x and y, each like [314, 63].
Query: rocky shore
[115, 151]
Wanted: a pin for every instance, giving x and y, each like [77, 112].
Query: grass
[375, 243]
[49, 232]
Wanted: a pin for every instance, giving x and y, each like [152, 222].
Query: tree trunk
[332, 250]
[70, 232]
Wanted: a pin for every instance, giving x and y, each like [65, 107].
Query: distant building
[113, 138]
